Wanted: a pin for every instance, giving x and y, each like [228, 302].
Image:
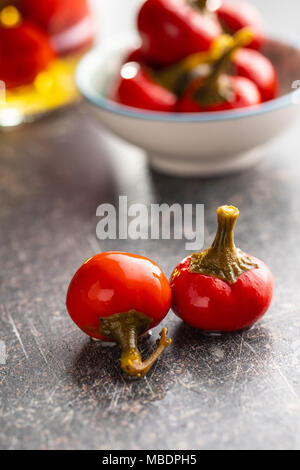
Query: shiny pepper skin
[54, 16]
[115, 282]
[244, 94]
[117, 297]
[222, 289]
[237, 15]
[172, 29]
[25, 51]
[210, 304]
[258, 68]
[137, 89]
[65, 21]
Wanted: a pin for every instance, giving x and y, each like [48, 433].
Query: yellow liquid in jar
[52, 88]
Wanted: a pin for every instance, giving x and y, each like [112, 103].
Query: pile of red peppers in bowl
[193, 58]
[118, 297]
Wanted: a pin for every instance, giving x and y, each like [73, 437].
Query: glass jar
[41, 42]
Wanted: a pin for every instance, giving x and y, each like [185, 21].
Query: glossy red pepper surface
[209, 303]
[54, 16]
[222, 289]
[113, 283]
[258, 68]
[172, 29]
[137, 89]
[25, 51]
[237, 15]
[67, 22]
[244, 94]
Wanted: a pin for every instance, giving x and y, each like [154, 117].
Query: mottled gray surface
[60, 390]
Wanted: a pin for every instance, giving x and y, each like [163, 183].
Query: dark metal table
[58, 389]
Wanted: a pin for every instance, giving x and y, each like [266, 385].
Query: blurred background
[119, 15]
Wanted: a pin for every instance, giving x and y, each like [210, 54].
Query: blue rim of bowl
[106, 104]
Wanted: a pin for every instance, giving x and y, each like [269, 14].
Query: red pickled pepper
[136, 88]
[259, 69]
[54, 16]
[67, 22]
[222, 289]
[117, 297]
[237, 15]
[219, 91]
[25, 49]
[243, 93]
[173, 29]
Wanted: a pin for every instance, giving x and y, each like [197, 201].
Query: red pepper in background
[222, 289]
[172, 29]
[258, 68]
[237, 15]
[242, 93]
[25, 51]
[137, 89]
[54, 16]
[57, 18]
[218, 91]
[118, 297]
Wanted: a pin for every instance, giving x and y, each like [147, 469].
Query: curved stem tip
[125, 329]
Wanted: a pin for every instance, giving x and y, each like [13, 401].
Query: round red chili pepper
[118, 297]
[258, 68]
[54, 16]
[222, 289]
[57, 18]
[238, 15]
[241, 94]
[172, 29]
[25, 51]
[219, 91]
[137, 89]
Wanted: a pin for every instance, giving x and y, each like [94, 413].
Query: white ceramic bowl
[201, 144]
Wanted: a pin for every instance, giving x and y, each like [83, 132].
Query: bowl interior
[286, 59]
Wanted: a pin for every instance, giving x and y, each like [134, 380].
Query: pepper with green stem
[234, 16]
[222, 289]
[209, 87]
[118, 297]
[171, 30]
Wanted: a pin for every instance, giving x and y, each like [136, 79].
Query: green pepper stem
[131, 361]
[223, 260]
[212, 90]
[125, 329]
[224, 240]
[230, 45]
[204, 68]
[201, 4]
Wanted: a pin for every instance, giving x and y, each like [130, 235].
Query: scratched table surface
[59, 390]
